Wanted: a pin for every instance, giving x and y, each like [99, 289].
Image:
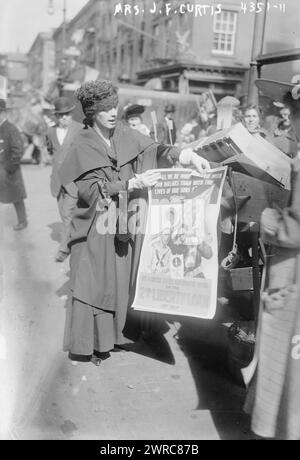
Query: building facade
[178, 46]
[14, 74]
[3, 76]
[41, 62]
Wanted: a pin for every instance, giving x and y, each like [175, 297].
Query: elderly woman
[252, 121]
[109, 163]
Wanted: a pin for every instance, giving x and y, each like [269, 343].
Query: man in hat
[12, 189]
[133, 116]
[59, 138]
[166, 128]
[284, 135]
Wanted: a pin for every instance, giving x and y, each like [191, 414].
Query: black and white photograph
[149, 222]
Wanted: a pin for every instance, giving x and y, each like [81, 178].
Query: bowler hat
[133, 110]
[63, 105]
[170, 108]
[2, 105]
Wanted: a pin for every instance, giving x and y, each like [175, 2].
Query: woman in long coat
[109, 162]
[12, 189]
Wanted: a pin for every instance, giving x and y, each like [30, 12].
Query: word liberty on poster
[178, 271]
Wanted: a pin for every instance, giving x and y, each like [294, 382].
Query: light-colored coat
[274, 375]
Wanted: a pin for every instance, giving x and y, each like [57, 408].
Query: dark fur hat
[97, 95]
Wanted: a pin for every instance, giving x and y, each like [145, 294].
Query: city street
[176, 387]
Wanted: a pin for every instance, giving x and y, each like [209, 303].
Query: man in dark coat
[166, 128]
[58, 140]
[12, 189]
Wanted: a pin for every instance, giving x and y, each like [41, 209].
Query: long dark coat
[12, 187]
[103, 269]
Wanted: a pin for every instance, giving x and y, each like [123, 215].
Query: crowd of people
[92, 164]
[203, 123]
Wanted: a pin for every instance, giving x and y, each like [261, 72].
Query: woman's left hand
[188, 156]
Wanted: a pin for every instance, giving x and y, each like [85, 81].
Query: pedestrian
[133, 116]
[273, 378]
[12, 188]
[58, 139]
[284, 135]
[166, 128]
[252, 120]
[108, 161]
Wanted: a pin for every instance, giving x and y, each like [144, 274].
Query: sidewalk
[177, 387]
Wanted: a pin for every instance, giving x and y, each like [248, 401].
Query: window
[224, 32]
[154, 43]
[168, 25]
[155, 30]
[168, 36]
[141, 46]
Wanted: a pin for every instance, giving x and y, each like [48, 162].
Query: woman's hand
[189, 157]
[144, 180]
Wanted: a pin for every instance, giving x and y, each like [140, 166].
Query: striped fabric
[274, 394]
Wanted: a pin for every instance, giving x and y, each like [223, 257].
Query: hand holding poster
[178, 271]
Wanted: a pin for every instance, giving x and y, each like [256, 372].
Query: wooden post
[170, 129]
[154, 122]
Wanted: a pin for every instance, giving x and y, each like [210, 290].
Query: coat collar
[88, 151]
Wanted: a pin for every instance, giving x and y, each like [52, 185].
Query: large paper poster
[178, 271]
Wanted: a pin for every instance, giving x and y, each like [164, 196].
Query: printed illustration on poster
[178, 271]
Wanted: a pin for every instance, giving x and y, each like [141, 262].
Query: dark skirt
[93, 329]
[87, 327]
